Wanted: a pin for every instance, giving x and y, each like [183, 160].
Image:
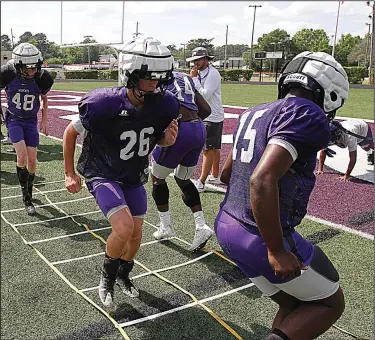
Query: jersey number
[250, 134]
[188, 89]
[144, 144]
[28, 101]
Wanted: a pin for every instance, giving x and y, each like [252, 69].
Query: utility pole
[136, 34]
[337, 23]
[225, 49]
[12, 36]
[88, 49]
[184, 55]
[367, 43]
[252, 34]
[371, 67]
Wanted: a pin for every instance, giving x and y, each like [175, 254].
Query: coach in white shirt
[207, 81]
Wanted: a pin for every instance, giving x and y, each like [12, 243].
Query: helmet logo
[296, 77]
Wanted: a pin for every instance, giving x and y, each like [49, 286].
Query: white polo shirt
[208, 84]
[357, 126]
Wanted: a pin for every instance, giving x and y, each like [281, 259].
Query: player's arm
[7, 74]
[227, 169]
[264, 194]
[72, 180]
[322, 158]
[169, 136]
[352, 162]
[211, 84]
[204, 110]
[45, 83]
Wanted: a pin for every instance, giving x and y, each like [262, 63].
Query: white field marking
[341, 227]
[67, 235]
[71, 108]
[159, 270]
[191, 304]
[70, 117]
[69, 98]
[312, 218]
[37, 193]
[78, 258]
[231, 115]
[35, 184]
[49, 204]
[57, 218]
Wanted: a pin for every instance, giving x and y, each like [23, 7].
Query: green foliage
[108, 74]
[355, 74]
[311, 40]
[53, 74]
[236, 74]
[360, 54]
[89, 74]
[345, 45]
[5, 43]
[200, 42]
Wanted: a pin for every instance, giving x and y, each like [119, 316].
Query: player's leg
[190, 194]
[110, 199]
[32, 144]
[136, 199]
[164, 160]
[214, 178]
[368, 146]
[17, 135]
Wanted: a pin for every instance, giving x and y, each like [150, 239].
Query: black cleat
[106, 290]
[127, 286]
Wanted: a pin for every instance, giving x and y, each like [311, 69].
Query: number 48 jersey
[23, 94]
[298, 125]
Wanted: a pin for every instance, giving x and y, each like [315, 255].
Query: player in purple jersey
[25, 86]
[182, 157]
[121, 126]
[270, 171]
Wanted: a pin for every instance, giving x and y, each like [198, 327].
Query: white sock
[370, 152]
[165, 218]
[199, 220]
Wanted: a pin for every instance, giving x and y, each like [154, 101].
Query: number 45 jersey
[299, 126]
[119, 136]
[23, 94]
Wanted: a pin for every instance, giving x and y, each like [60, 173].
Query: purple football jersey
[23, 94]
[183, 88]
[302, 128]
[119, 136]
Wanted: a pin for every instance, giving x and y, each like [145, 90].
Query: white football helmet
[145, 58]
[27, 55]
[320, 73]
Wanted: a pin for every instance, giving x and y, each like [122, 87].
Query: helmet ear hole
[333, 96]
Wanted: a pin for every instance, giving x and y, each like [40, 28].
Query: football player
[349, 134]
[270, 171]
[122, 125]
[182, 157]
[26, 87]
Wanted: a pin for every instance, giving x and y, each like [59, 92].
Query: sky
[176, 22]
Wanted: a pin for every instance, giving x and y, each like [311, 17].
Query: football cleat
[106, 290]
[199, 185]
[202, 235]
[127, 286]
[163, 232]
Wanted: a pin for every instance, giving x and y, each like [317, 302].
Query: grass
[359, 105]
[37, 304]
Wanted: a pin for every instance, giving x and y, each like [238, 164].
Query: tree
[200, 42]
[94, 51]
[344, 47]
[311, 40]
[25, 37]
[360, 54]
[5, 43]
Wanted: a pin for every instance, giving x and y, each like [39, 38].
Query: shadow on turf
[10, 178]
[191, 323]
[323, 235]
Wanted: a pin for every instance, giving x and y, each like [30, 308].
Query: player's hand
[171, 132]
[194, 71]
[344, 178]
[44, 126]
[285, 264]
[319, 172]
[73, 183]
